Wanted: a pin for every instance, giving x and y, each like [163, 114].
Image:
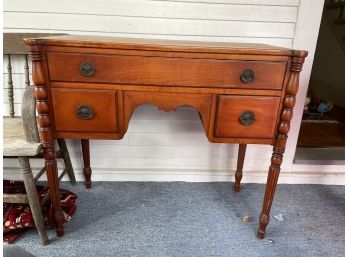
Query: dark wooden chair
[21, 137]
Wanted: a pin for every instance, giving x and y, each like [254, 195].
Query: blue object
[324, 106]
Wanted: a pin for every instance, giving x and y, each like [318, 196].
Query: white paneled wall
[158, 145]
[259, 21]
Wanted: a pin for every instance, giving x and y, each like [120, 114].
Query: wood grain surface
[149, 70]
[102, 102]
[230, 108]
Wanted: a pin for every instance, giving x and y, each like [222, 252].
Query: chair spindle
[10, 86]
[26, 71]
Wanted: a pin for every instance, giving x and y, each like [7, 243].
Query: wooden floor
[325, 134]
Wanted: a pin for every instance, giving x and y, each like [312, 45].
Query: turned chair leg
[240, 163]
[67, 161]
[33, 198]
[87, 171]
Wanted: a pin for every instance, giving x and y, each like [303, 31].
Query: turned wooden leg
[33, 198]
[87, 171]
[240, 163]
[53, 184]
[67, 161]
[271, 185]
[280, 142]
[47, 134]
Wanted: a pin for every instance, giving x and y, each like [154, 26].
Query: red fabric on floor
[17, 218]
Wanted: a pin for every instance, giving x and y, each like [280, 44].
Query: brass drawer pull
[247, 76]
[87, 69]
[84, 112]
[247, 118]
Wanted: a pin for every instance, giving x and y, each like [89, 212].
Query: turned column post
[239, 172]
[46, 131]
[87, 171]
[289, 101]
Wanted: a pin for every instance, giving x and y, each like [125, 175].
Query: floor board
[321, 134]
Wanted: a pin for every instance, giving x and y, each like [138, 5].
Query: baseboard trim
[250, 176]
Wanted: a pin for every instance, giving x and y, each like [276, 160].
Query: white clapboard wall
[172, 146]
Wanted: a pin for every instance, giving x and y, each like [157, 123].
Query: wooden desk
[88, 87]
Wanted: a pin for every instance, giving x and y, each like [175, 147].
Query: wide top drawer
[165, 71]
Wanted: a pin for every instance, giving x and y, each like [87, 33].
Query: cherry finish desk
[88, 87]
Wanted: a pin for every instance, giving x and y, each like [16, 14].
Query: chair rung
[47, 196]
[62, 175]
[45, 199]
[22, 198]
[42, 171]
[36, 178]
[15, 198]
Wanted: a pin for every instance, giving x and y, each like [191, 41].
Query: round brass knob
[87, 69]
[247, 76]
[84, 112]
[247, 118]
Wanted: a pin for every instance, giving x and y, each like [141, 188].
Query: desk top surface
[162, 45]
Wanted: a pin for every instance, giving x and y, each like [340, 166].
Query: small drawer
[165, 71]
[84, 110]
[246, 117]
